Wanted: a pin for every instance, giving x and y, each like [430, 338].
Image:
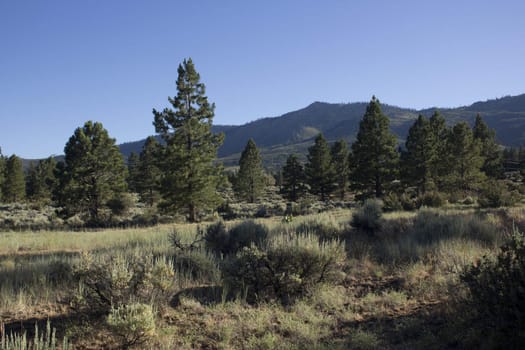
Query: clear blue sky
[65, 62]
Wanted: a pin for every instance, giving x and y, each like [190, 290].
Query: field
[395, 283]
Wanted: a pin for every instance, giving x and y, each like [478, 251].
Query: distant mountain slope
[294, 131]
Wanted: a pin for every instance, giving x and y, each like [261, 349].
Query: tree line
[181, 174]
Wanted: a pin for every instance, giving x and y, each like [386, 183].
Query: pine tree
[421, 152]
[293, 185]
[2, 175]
[374, 158]
[148, 173]
[14, 184]
[93, 172]
[319, 170]
[251, 179]
[41, 180]
[340, 163]
[439, 164]
[189, 177]
[133, 172]
[465, 159]
[493, 160]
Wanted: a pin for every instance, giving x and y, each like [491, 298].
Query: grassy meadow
[394, 282]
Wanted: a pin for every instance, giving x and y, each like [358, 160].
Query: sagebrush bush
[432, 199]
[392, 202]
[325, 230]
[197, 265]
[224, 242]
[495, 194]
[133, 323]
[369, 217]
[497, 292]
[287, 267]
[108, 282]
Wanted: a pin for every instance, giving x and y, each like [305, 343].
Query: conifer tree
[340, 154]
[2, 175]
[374, 158]
[493, 160]
[465, 159]
[293, 186]
[189, 177]
[133, 175]
[439, 136]
[41, 180]
[250, 180]
[148, 173]
[319, 170]
[419, 155]
[14, 183]
[93, 172]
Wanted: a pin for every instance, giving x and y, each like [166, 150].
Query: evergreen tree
[419, 155]
[14, 183]
[493, 160]
[319, 170]
[93, 173]
[293, 185]
[439, 164]
[374, 158]
[133, 172]
[148, 173]
[250, 180]
[41, 180]
[2, 175]
[189, 177]
[340, 163]
[465, 159]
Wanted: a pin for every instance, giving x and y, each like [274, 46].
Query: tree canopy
[250, 180]
[189, 179]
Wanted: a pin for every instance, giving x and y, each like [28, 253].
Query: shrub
[59, 271]
[112, 281]
[245, 234]
[285, 269]
[497, 292]
[369, 216]
[216, 238]
[41, 341]
[495, 194]
[120, 204]
[392, 202]
[322, 229]
[133, 323]
[432, 199]
[197, 265]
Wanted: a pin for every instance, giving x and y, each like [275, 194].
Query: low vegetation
[318, 281]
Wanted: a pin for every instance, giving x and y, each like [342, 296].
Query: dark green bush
[495, 194]
[216, 238]
[245, 234]
[392, 202]
[285, 269]
[322, 229]
[497, 293]
[368, 217]
[197, 265]
[432, 199]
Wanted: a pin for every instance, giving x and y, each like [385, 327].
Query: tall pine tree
[2, 175]
[319, 170]
[340, 153]
[493, 160]
[420, 153]
[147, 172]
[250, 180]
[374, 158]
[439, 164]
[293, 184]
[93, 172]
[14, 184]
[41, 180]
[189, 177]
[465, 160]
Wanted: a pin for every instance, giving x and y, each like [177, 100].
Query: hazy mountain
[293, 132]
